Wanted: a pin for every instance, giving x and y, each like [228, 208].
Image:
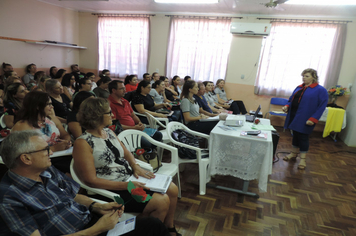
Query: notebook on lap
[251, 118]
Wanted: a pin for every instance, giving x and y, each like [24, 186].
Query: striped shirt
[27, 205]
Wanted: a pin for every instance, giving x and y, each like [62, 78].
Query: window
[123, 44]
[293, 47]
[199, 47]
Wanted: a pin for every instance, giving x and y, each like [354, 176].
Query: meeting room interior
[245, 184]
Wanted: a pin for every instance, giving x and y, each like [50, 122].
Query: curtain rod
[306, 21]
[203, 17]
[125, 15]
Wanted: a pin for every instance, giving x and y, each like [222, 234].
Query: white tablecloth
[243, 157]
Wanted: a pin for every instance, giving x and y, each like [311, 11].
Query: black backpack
[186, 138]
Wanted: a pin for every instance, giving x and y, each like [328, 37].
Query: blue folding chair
[278, 102]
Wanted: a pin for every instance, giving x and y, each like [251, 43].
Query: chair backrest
[132, 139]
[153, 121]
[279, 101]
[101, 192]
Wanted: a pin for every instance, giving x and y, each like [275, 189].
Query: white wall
[35, 20]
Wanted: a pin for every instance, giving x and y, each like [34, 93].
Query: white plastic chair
[102, 192]
[155, 124]
[132, 140]
[202, 162]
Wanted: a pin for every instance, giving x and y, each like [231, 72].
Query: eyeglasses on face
[108, 113]
[45, 149]
[49, 104]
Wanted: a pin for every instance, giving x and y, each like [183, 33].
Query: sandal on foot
[173, 230]
[302, 164]
[292, 156]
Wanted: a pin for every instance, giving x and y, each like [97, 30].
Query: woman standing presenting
[304, 108]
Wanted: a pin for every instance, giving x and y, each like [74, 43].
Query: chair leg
[179, 188]
[202, 178]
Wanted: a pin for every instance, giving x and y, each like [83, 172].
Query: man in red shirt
[123, 112]
[121, 108]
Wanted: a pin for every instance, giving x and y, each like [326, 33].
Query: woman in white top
[190, 109]
[102, 161]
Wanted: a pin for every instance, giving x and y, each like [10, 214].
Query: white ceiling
[224, 7]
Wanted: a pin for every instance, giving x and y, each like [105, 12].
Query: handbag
[148, 156]
[186, 138]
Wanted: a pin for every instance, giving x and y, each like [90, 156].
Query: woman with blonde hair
[305, 107]
[102, 161]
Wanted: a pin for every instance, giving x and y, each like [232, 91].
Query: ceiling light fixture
[188, 1]
[322, 2]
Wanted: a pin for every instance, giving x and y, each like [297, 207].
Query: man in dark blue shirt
[37, 199]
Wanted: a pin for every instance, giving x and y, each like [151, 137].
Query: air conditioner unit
[250, 29]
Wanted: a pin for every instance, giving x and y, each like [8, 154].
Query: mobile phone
[254, 132]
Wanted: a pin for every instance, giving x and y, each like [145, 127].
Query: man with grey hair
[37, 199]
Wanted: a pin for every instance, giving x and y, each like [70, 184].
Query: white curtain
[123, 45]
[292, 47]
[199, 47]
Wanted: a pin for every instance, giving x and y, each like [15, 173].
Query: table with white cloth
[244, 157]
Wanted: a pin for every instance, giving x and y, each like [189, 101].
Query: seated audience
[92, 77]
[13, 100]
[102, 161]
[102, 89]
[68, 83]
[214, 102]
[83, 84]
[52, 71]
[222, 98]
[203, 104]
[168, 92]
[59, 75]
[38, 76]
[74, 127]
[155, 77]
[36, 199]
[159, 97]
[76, 72]
[131, 83]
[37, 114]
[176, 86]
[60, 102]
[143, 102]
[123, 112]
[8, 74]
[190, 109]
[6, 67]
[105, 72]
[147, 77]
[41, 86]
[187, 78]
[157, 92]
[31, 70]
